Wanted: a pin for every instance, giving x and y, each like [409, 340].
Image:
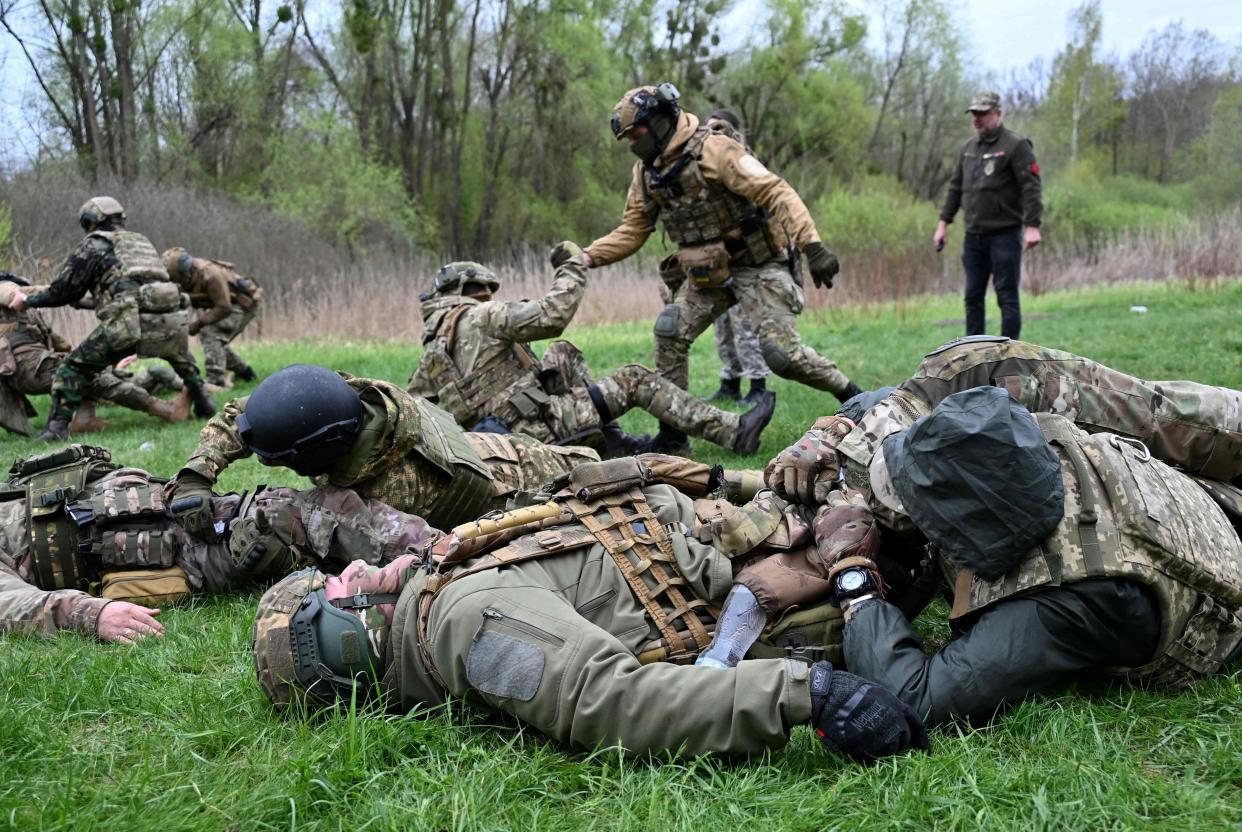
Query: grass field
[176, 735]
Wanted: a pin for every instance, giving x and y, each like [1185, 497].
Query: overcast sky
[1004, 35]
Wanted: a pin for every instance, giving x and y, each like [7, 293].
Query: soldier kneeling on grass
[581, 614]
[89, 546]
[1065, 554]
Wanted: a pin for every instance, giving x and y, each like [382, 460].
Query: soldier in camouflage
[738, 228]
[139, 310]
[226, 302]
[128, 555]
[607, 593]
[1070, 545]
[373, 438]
[476, 364]
[30, 352]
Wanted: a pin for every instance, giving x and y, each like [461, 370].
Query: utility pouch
[1211, 634]
[803, 633]
[596, 479]
[530, 403]
[707, 265]
[671, 273]
[26, 466]
[160, 296]
[148, 587]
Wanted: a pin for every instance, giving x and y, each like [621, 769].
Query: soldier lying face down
[580, 615]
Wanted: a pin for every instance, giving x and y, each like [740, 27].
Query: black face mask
[650, 146]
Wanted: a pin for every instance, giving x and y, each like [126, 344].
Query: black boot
[730, 390]
[752, 423]
[204, 404]
[245, 372]
[619, 443]
[670, 441]
[57, 430]
[758, 386]
[850, 392]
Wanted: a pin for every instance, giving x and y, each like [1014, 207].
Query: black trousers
[997, 255]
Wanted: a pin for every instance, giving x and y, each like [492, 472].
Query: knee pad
[775, 356]
[666, 322]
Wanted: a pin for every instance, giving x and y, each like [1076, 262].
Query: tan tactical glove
[263, 543]
[806, 471]
[564, 252]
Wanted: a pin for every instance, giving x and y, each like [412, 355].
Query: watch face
[851, 580]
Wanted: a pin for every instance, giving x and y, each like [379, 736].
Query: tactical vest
[507, 386]
[1128, 515]
[243, 291]
[444, 445]
[139, 262]
[87, 516]
[696, 212]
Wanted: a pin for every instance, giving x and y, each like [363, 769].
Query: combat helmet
[654, 106]
[178, 263]
[453, 278]
[303, 642]
[99, 209]
[302, 417]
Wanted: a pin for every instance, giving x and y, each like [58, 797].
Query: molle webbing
[642, 532]
[53, 533]
[140, 262]
[123, 525]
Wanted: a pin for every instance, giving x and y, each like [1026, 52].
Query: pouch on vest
[48, 460]
[148, 587]
[596, 479]
[671, 273]
[707, 265]
[160, 296]
[804, 634]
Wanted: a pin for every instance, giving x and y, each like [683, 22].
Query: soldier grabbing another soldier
[477, 364]
[139, 310]
[226, 302]
[738, 228]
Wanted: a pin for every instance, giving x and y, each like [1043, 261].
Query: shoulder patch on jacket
[749, 164]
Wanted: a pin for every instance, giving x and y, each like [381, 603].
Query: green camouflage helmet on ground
[272, 637]
[98, 210]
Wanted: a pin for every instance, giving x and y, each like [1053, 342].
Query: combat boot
[57, 430]
[176, 409]
[669, 440]
[730, 390]
[204, 405]
[245, 372]
[619, 443]
[85, 421]
[752, 423]
[758, 386]
[850, 392]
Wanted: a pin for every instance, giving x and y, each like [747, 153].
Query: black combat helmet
[302, 417]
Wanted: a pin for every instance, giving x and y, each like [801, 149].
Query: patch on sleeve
[749, 164]
[505, 666]
[1035, 168]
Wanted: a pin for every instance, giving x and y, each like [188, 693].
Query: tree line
[475, 127]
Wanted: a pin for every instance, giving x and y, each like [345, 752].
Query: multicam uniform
[139, 311]
[137, 552]
[412, 456]
[738, 347]
[476, 364]
[227, 303]
[734, 223]
[573, 635]
[30, 352]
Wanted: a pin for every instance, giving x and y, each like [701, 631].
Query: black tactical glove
[822, 263]
[564, 252]
[191, 504]
[860, 719]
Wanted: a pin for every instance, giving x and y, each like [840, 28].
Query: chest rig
[1130, 516]
[603, 504]
[506, 385]
[87, 516]
[696, 212]
[138, 263]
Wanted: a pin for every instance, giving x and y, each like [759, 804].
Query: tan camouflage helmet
[453, 278]
[273, 650]
[640, 103]
[178, 263]
[99, 209]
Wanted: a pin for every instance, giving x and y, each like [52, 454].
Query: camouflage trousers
[738, 347]
[771, 299]
[35, 371]
[1193, 426]
[218, 357]
[105, 346]
[155, 379]
[575, 412]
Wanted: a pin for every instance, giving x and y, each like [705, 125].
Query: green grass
[176, 735]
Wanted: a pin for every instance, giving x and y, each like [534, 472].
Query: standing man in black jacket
[996, 182]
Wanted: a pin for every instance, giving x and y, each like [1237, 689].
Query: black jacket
[996, 182]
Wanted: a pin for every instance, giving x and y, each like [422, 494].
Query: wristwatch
[853, 582]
